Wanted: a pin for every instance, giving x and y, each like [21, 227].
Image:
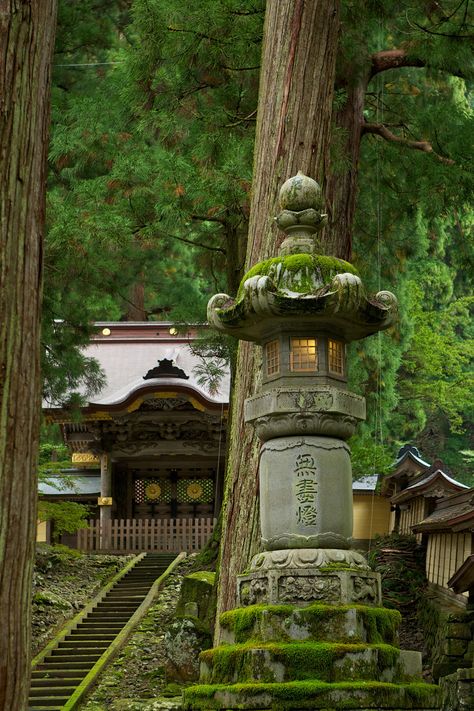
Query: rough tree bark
[293, 128]
[26, 45]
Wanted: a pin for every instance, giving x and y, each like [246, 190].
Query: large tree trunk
[293, 129]
[26, 46]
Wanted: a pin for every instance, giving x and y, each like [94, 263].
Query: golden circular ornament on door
[194, 490]
[153, 491]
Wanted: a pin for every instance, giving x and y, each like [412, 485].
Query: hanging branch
[393, 59]
[379, 129]
[194, 244]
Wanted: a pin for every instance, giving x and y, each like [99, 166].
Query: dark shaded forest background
[150, 171]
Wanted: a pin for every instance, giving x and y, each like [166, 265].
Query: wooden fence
[135, 535]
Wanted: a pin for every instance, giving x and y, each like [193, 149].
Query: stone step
[75, 657]
[279, 662]
[48, 680]
[116, 605]
[53, 690]
[125, 597]
[100, 627]
[48, 702]
[70, 643]
[53, 666]
[58, 674]
[81, 636]
[315, 622]
[104, 616]
[298, 695]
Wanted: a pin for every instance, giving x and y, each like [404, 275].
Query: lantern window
[272, 354]
[303, 354]
[336, 357]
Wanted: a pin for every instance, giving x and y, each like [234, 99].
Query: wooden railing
[134, 535]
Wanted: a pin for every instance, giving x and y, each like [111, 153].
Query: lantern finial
[301, 217]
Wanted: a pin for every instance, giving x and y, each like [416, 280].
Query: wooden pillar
[105, 500]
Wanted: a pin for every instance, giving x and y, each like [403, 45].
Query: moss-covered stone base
[323, 623]
[317, 657]
[299, 661]
[313, 695]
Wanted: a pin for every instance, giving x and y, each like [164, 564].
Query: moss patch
[313, 695]
[302, 273]
[278, 662]
[203, 575]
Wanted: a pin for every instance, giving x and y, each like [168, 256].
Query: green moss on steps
[280, 661]
[313, 695]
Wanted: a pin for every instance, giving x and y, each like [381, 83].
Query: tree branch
[393, 59]
[397, 58]
[378, 129]
[194, 244]
[207, 218]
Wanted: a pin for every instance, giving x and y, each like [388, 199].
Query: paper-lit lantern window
[303, 355]
[272, 355]
[336, 357]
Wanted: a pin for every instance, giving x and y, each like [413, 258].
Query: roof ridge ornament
[166, 369]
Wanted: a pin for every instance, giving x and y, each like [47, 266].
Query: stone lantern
[309, 631]
[303, 309]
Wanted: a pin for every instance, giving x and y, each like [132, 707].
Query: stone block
[328, 410]
[458, 630]
[455, 647]
[448, 665]
[184, 639]
[197, 598]
[410, 664]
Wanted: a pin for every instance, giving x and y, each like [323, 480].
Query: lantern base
[333, 583]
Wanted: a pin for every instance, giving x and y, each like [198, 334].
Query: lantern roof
[300, 288]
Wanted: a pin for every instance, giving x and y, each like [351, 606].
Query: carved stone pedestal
[301, 586]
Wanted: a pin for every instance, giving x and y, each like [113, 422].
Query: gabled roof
[408, 465]
[409, 451]
[453, 513]
[135, 358]
[436, 483]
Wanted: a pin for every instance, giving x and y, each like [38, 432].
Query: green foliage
[369, 457]
[66, 516]
[154, 191]
[50, 452]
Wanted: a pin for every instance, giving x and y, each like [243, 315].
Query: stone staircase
[56, 678]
